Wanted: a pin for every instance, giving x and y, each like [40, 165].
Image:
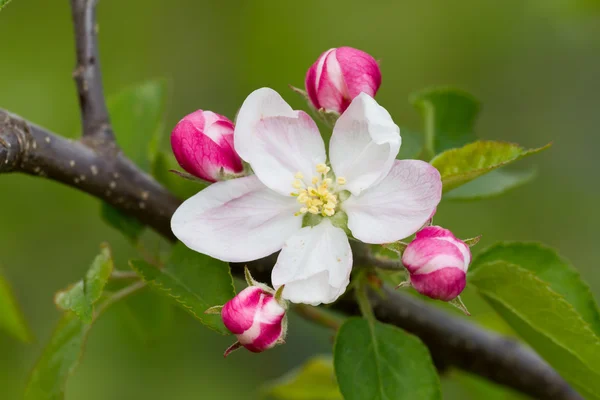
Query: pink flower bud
[256, 318]
[339, 75]
[437, 262]
[203, 145]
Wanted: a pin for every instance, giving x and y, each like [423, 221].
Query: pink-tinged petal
[260, 104]
[444, 284]
[360, 71]
[364, 144]
[332, 91]
[202, 144]
[284, 146]
[313, 77]
[238, 313]
[397, 206]
[444, 234]
[314, 265]
[269, 323]
[236, 220]
[426, 255]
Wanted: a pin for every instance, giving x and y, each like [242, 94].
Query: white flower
[249, 218]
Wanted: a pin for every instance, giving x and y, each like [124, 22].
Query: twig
[97, 131]
[120, 295]
[383, 262]
[123, 275]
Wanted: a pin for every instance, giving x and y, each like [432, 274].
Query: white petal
[314, 265]
[261, 103]
[364, 144]
[396, 207]
[237, 220]
[284, 146]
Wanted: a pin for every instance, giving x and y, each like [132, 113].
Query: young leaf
[58, 361]
[492, 184]
[315, 380]
[80, 297]
[545, 320]
[3, 3]
[137, 115]
[459, 166]
[376, 361]
[11, 318]
[195, 281]
[449, 116]
[548, 266]
[126, 224]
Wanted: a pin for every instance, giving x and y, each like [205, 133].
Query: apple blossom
[381, 198]
[437, 262]
[203, 145]
[339, 75]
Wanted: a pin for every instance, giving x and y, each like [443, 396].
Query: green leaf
[381, 362]
[548, 266]
[412, 144]
[449, 116]
[129, 226]
[195, 281]
[545, 320]
[315, 380]
[3, 3]
[11, 317]
[459, 166]
[81, 297]
[492, 184]
[137, 116]
[58, 361]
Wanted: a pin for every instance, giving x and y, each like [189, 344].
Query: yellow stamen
[341, 180]
[322, 168]
[316, 199]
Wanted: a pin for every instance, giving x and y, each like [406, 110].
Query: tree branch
[25, 147]
[97, 131]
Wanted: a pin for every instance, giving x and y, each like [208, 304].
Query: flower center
[320, 197]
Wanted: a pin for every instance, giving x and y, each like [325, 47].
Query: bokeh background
[535, 65]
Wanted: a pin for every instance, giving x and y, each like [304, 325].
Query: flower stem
[318, 315]
[362, 298]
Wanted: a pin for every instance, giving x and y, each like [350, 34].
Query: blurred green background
[535, 65]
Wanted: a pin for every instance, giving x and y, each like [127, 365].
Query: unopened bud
[339, 75]
[203, 145]
[437, 262]
[256, 318]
